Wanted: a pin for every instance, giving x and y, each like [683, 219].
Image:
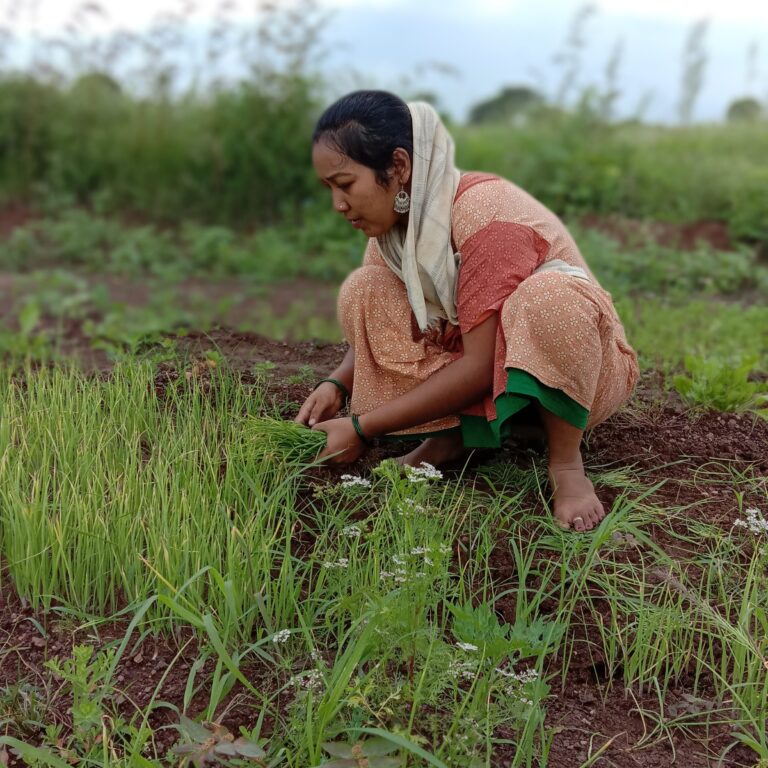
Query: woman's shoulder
[470, 179]
[481, 198]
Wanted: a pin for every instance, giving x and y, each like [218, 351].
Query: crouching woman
[473, 309]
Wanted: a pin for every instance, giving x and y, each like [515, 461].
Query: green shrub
[721, 385]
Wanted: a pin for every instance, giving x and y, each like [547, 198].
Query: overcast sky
[492, 43]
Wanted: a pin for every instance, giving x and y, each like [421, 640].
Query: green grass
[664, 334]
[676, 174]
[352, 599]
[673, 303]
[323, 248]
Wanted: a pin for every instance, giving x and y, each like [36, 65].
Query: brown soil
[686, 237]
[654, 434]
[14, 215]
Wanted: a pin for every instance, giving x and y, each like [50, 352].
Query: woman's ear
[401, 166]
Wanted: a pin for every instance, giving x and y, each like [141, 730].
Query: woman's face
[356, 194]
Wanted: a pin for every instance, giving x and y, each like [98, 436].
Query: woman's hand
[342, 440]
[324, 403]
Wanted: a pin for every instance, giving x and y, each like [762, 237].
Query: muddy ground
[655, 434]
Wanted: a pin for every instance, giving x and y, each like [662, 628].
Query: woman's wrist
[365, 438]
[340, 388]
[343, 377]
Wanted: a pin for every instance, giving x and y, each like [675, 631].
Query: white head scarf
[424, 260]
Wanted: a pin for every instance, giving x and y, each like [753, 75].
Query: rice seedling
[269, 438]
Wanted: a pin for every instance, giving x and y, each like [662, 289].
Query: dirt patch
[686, 237]
[13, 215]
[243, 350]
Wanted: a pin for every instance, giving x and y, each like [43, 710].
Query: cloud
[689, 10]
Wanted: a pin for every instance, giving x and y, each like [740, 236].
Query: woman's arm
[326, 400]
[345, 373]
[446, 392]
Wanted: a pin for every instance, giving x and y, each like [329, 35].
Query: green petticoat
[513, 406]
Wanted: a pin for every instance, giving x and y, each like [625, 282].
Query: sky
[465, 51]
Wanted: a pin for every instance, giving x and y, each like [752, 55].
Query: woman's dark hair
[367, 126]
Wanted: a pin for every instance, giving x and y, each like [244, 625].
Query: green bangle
[344, 391]
[356, 424]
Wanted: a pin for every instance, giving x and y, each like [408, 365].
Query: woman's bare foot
[576, 505]
[434, 451]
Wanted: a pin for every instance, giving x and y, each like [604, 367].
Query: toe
[599, 511]
[579, 523]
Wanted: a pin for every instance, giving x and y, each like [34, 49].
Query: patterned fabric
[560, 329]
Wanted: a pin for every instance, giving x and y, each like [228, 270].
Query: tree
[96, 83]
[744, 110]
[510, 103]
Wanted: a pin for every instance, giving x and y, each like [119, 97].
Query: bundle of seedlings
[268, 438]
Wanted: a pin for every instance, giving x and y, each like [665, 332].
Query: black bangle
[356, 424]
[344, 391]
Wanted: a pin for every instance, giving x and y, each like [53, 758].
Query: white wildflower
[755, 522]
[400, 579]
[386, 575]
[342, 562]
[423, 473]
[310, 679]
[466, 670]
[315, 654]
[526, 676]
[397, 560]
[466, 646]
[351, 531]
[427, 561]
[409, 507]
[513, 691]
[420, 551]
[445, 549]
[282, 636]
[354, 481]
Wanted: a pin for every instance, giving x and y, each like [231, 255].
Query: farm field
[166, 583]
[183, 584]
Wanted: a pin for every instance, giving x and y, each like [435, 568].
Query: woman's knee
[364, 288]
[547, 298]
[363, 279]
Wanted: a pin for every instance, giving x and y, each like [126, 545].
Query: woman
[473, 307]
